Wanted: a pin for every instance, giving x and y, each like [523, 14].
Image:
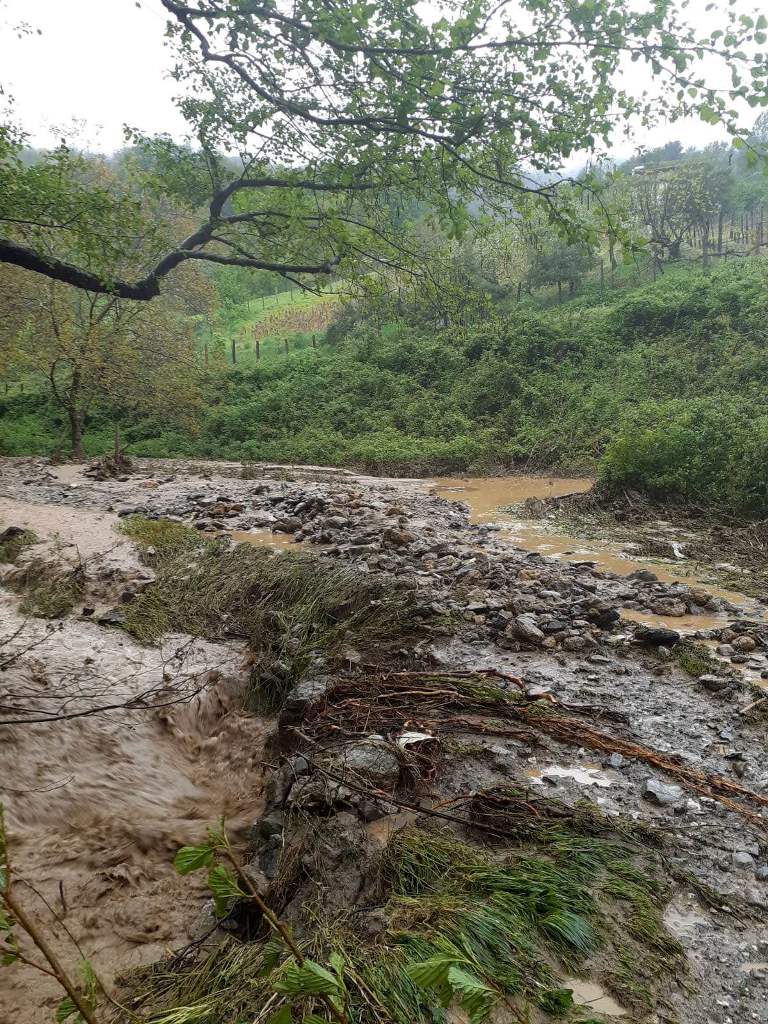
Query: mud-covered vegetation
[293, 610]
[513, 926]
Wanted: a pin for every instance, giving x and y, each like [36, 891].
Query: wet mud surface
[100, 801]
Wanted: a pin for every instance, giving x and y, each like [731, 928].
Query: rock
[742, 859]
[300, 697]
[674, 608]
[574, 643]
[372, 759]
[10, 532]
[398, 538]
[657, 636]
[714, 683]
[662, 793]
[602, 614]
[555, 626]
[761, 873]
[525, 627]
[617, 760]
[745, 643]
[270, 825]
[288, 524]
[113, 617]
[643, 576]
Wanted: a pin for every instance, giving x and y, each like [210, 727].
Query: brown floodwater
[264, 539]
[486, 495]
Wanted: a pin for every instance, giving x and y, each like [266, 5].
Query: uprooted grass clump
[13, 542]
[289, 608]
[49, 588]
[516, 926]
[695, 659]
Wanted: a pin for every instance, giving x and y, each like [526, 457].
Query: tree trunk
[76, 417]
[76, 433]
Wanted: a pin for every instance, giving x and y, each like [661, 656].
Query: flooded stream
[487, 495]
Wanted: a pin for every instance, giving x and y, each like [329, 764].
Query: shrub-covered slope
[663, 387]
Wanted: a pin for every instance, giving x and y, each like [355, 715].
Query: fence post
[314, 341]
[234, 352]
[286, 345]
[205, 353]
[602, 274]
[258, 349]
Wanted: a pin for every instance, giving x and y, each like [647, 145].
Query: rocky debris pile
[745, 643]
[520, 600]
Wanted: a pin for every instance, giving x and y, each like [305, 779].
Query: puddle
[264, 539]
[682, 623]
[485, 495]
[587, 993]
[584, 776]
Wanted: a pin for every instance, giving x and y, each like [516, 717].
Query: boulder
[714, 683]
[371, 760]
[526, 628]
[657, 636]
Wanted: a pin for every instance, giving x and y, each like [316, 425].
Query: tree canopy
[313, 122]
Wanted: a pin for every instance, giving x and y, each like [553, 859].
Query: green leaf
[274, 950]
[556, 1001]
[283, 1016]
[336, 960]
[477, 998]
[433, 974]
[309, 979]
[317, 978]
[190, 858]
[65, 1010]
[288, 980]
[222, 884]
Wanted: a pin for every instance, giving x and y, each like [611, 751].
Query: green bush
[705, 452]
[668, 380]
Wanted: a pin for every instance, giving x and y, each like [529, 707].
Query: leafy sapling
[79, 1004]
[300, 982]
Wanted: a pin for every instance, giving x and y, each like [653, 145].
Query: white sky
[104, 63]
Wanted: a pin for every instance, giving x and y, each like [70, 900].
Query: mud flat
[512, 724]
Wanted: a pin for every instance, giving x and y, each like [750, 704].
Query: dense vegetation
[504, 312]
[661, 384]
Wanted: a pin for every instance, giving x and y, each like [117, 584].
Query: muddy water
[97, 805]
[264, 539]
[486, 495]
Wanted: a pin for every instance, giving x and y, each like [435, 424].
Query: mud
[100, 801]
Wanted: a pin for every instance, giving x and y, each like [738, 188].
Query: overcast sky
[104, 63]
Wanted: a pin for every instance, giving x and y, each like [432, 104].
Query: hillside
[660, 387]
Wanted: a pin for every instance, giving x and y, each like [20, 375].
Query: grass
[291, 609]
[12, 546]
[49, 590]
[695, 659]
[519, 922]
